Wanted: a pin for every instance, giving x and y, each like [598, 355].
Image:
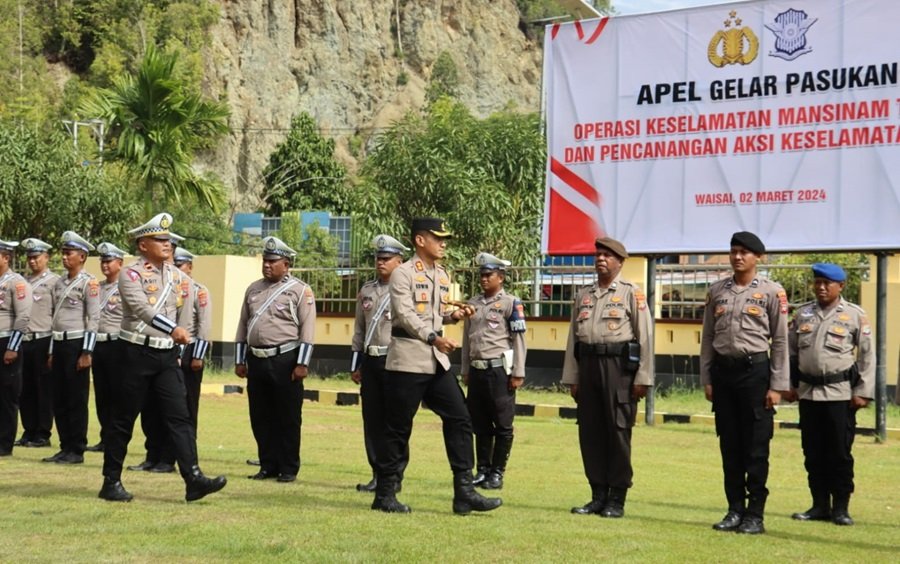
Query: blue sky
[624, 7]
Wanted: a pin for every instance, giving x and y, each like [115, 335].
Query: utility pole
[21, 50]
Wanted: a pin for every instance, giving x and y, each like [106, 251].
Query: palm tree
[156, 125]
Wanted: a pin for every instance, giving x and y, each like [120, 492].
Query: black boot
[752, 521]
[386, 495]
[599, 494]
[820, 510]
[615, 503]
[466, 499]
[841, 514]
[198, 486]
[368, 487]
[484, 446]
[113, 490]
[502, 446]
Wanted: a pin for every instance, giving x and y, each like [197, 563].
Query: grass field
[51, 512]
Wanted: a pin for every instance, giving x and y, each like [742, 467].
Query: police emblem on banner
[790, 29]
[734, 44]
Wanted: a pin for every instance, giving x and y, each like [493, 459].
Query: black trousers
[492, 406]
[404, 392]
[10, 390]
[192, 381]
[372, 394]
[36, 401]
[744, 427]
[71, 392]
[827, 429]
[148, 371]
[606, 414]
[276, 411]
[105, 368]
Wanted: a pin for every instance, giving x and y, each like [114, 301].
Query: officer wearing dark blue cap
[833, 375]
[744, 369]
[15, 311]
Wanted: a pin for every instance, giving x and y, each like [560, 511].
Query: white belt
[67, 335]
[38, 335]
[485, 364]
[269, 352]
[372, 350]
[103, 337]
[164, 343]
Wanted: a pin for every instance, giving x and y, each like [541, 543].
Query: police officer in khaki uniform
[833, 373]
[15, 312]
[36, 401]
[371, 338]
[419, 369]
[106, 361]
[493, 368]
[192, 362]
[76, 313]
[744, 368]
[274, 344]
[155, 304]
[608, 370]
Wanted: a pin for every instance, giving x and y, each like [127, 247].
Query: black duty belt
[401, 333]
[608, 349]
[743, 361]
[826, 379]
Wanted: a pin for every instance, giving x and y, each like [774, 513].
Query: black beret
[749, 241]
[612, 245]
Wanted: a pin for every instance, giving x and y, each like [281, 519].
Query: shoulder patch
[516, 317]
[93, 288]
[202, 298]
[133, 274]
[20, 291]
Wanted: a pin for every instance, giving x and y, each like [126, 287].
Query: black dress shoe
[198, 486]
[751, 525]
[252, 462]
[590, 508]
[144, 466]
[813, 514]
[263, 475]
[286, 478]
[730, 522]
[613, 511]
[21, 442]
[113, 490]
[368, 487]
[842, 518]
[70, 458]
[54, 458]
[38, 443]
[162, 468]
[96, 448]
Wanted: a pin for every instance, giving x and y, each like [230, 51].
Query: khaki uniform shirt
[742, 321]
[617, 314]
[201, 319]
[110, 308]
[288, 318]
[830, 341]
[419, 304]
[497, 326]
[368, 302]
[43, 286]
[77, 306]
[142, 287]
[15, 307]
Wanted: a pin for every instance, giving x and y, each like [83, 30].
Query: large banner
[671, 131]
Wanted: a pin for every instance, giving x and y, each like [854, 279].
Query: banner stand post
[649, 403]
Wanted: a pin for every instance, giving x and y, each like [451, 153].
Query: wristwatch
[431, 337]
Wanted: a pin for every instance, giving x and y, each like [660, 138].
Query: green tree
[156, 126]
[303, 174]
[444, 79]
[26, 89]
[317, 252]
[44, 190]
[485, 177]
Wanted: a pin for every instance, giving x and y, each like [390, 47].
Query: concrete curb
[330, 397]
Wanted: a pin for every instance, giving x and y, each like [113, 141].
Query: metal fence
[548, 292]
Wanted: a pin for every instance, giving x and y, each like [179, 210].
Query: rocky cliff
[343, 62]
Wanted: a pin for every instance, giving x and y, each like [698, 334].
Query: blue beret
[830, 271]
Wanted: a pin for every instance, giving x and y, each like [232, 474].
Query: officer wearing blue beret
[833, 375]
